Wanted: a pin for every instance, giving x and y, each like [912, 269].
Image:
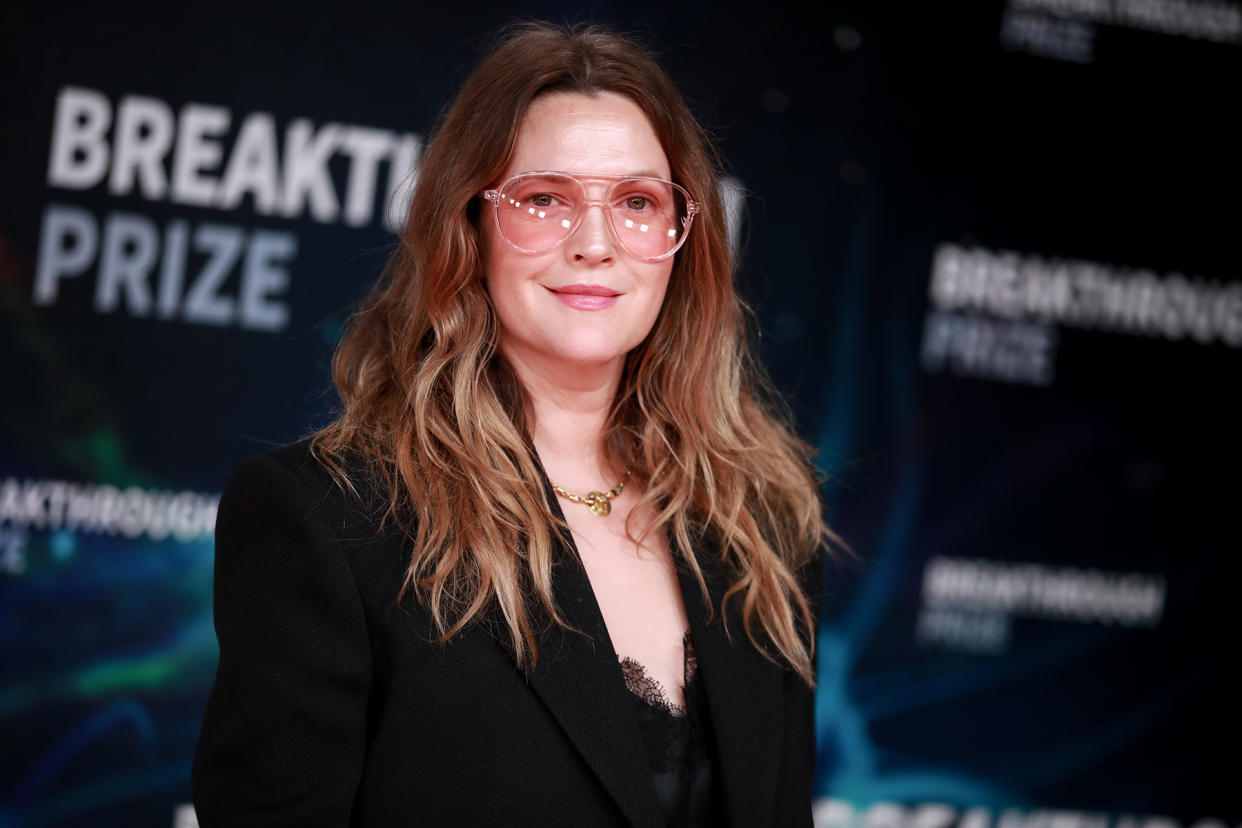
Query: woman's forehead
[605, 133]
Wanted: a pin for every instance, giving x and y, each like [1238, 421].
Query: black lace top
[679, 743]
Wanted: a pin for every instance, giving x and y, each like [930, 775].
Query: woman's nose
[592, 241]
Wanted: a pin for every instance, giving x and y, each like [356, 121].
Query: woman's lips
[586, 297]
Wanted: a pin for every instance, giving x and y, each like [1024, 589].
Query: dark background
[865, 135]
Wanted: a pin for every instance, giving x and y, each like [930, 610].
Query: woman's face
[586, 303]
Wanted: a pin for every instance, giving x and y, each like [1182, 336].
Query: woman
[553, 563]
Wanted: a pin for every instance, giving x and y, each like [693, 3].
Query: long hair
[436, 413]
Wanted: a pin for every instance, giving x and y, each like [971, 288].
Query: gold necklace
[597, 502]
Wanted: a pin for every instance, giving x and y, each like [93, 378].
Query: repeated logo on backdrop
[995, 314]
[176, 269]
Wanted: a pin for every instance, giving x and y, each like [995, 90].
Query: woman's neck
[570, 407]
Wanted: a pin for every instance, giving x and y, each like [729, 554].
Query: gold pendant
[598, 504]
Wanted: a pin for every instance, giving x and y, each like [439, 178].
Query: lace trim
[649, 689]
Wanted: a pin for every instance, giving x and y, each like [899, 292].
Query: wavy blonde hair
[435, 411]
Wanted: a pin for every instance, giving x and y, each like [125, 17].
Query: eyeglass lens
[538, 211]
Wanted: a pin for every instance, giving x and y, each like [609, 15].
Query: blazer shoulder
[293, 467]
[293, 476]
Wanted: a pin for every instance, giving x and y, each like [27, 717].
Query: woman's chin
[588, 353]
[596, 351]
[592, 360]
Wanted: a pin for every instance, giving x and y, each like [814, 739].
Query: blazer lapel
[744, 695]
[578, 677]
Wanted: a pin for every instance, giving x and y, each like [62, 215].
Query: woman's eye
[637, 202]
[541, 200]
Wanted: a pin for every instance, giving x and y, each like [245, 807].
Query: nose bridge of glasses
[600, 188]
[605, 187]
[586, 186]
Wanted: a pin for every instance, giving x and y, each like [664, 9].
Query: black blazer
[331, 707]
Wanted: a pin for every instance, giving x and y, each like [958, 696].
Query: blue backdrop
[992, 252]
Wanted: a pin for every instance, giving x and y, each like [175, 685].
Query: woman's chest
[639, 597]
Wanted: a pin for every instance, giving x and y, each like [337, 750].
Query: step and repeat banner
[993, 251]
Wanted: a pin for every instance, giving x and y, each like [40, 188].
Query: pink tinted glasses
[537, 211]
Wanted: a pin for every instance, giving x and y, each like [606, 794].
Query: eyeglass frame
[693, 208]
